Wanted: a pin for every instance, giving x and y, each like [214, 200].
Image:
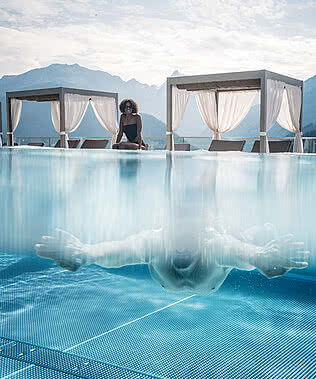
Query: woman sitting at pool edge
[130, 125]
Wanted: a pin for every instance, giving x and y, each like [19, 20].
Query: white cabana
[68, 107]
[225, 99]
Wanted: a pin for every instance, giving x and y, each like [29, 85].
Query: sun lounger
[39, 144]
[72, 143]
[274, 146]
[181, 147]
[94, 144]
[226, 145]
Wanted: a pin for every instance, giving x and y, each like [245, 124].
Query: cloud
[230, 14]
[148, 42]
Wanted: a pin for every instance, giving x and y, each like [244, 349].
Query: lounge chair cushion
[39, 144]
[181, 147]
[94, 144]
[72, 143]
[226, 145]
[274, 146]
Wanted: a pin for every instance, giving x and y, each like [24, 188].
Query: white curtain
[206, 102]
[275, 91]
[16, 109]
[289, 116]
[180, 99]
[105, 112]
[233, 106]
[55, 114]
[75, 109]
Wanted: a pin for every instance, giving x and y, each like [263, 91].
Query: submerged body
[180, 263]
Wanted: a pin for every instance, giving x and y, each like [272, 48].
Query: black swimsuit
[130, 131]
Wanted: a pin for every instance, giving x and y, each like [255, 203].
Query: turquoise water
[121, 318]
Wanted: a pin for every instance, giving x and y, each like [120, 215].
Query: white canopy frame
[234, 81]
[59, 96]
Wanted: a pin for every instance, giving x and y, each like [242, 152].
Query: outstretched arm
[280, 256]
[68, 252]
[136, 249]
[275, 258]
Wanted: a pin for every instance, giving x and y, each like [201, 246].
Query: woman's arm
[120, 133]
[139, 131]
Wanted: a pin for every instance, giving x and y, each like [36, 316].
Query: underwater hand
[216, 229]
[279, 256]
[64, 248]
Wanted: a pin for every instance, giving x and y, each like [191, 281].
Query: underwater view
[118, 264]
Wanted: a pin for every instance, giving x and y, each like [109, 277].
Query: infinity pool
[146, 319]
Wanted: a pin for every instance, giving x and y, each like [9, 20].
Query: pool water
[102, 322]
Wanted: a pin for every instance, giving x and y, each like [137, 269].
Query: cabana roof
[58, 94]
[54, 94]
[237, 81]
[227, 82]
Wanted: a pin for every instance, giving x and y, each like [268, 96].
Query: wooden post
[263, 114]
[9, 123]
[169, 117]
[62, 119]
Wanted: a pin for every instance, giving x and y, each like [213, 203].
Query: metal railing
[159, 143]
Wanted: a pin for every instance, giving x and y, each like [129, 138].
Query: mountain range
[36, 120]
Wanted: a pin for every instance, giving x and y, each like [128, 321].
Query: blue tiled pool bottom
[121, 322]
[43, 362]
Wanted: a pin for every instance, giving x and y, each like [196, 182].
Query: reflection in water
[129, 168]
[190, 252]
[160, 209]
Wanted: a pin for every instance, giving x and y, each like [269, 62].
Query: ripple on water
[13, 307]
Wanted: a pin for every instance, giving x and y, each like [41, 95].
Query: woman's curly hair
[133, 103]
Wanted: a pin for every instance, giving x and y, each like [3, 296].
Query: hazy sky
[149, 39]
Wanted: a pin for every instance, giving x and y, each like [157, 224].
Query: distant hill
[309, 105]
[35, 118]
[310, 130]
